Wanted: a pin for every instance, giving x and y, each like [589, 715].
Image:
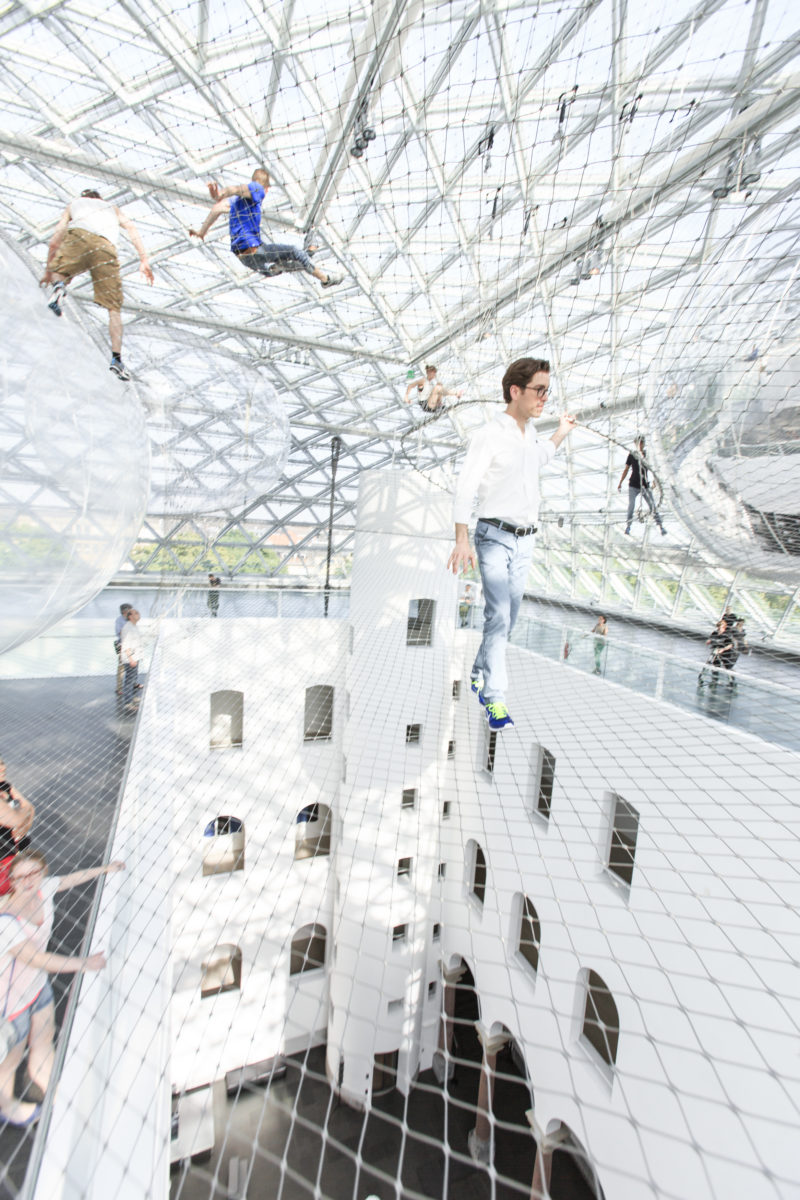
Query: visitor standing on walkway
[130, 656]
[502, 467]
[600, 632]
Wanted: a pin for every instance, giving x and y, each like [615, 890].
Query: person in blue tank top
[243, 203]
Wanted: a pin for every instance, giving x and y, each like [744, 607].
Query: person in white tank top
[85, 239]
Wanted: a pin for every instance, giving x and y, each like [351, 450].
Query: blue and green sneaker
[498, 715]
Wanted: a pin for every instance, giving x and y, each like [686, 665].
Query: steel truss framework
[542, 180]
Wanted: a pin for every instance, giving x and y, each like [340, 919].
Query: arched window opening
[226, 720]
[601, 1019]
[420, 622]
[530, 934]
[318, 721]
[544, 778]
[222, 971]
[223, 846]
[308, 949]
[622, 846]
[313, 831]
[477, 873]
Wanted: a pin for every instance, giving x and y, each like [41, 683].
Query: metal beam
[381, 45]
[684, 171]
[46, 150]
[174, 317]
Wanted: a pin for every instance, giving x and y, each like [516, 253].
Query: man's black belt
[517, 530]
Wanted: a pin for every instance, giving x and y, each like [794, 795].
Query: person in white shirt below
[130, 655]
[502, 466]
[85, 239]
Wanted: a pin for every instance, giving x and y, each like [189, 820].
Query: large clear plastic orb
[725, 432]
[74, 461]
[220, 436]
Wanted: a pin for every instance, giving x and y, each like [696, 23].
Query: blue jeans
[129, 683]
[272, 254]
[633, 496]
[504, 562]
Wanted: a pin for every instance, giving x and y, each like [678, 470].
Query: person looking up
[130, 655]
[16, 822]
[29, 912]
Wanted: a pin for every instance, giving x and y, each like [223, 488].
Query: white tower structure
[385, 1013]
[320, 834]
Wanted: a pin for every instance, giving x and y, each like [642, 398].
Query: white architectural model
[321, 836]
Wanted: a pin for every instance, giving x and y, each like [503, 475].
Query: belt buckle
[520, 531]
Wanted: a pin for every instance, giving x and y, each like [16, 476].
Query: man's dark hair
[431, 367]
[520, 373]
[124, 608]
[91, 194]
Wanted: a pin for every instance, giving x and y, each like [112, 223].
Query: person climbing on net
[242, 201]
[430, 393]
[85, 239]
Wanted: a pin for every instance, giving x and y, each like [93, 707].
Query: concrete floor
[65, 744]
[295, 1136]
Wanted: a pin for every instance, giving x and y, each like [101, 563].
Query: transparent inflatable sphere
[726, 432]
[74, 461]
[219, 434]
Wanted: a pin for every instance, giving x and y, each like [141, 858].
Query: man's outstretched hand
[214, 190]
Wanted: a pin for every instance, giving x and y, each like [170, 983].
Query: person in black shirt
[722, 647]
[639, 484]
[16, 819]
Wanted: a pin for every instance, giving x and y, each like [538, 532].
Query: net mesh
[362, 947]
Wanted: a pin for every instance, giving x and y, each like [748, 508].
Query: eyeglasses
[541, 392]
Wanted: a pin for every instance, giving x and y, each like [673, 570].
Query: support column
[443, 1065]
[480, 1138]
[543, 1166]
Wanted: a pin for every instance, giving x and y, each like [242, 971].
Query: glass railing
[84, 644]
[767, 710]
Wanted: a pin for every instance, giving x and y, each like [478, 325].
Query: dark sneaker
[119, 370]
[56, 305]
[498, 715]
[333, 281]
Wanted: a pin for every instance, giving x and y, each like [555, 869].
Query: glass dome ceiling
[591, 181]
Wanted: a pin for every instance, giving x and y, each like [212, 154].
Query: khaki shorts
[83, 251]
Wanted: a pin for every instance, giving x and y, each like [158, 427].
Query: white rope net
[361, 947]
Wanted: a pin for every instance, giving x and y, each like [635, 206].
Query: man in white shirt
[130, 654]
[85, 239]
[119, 624]
[502, 466]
